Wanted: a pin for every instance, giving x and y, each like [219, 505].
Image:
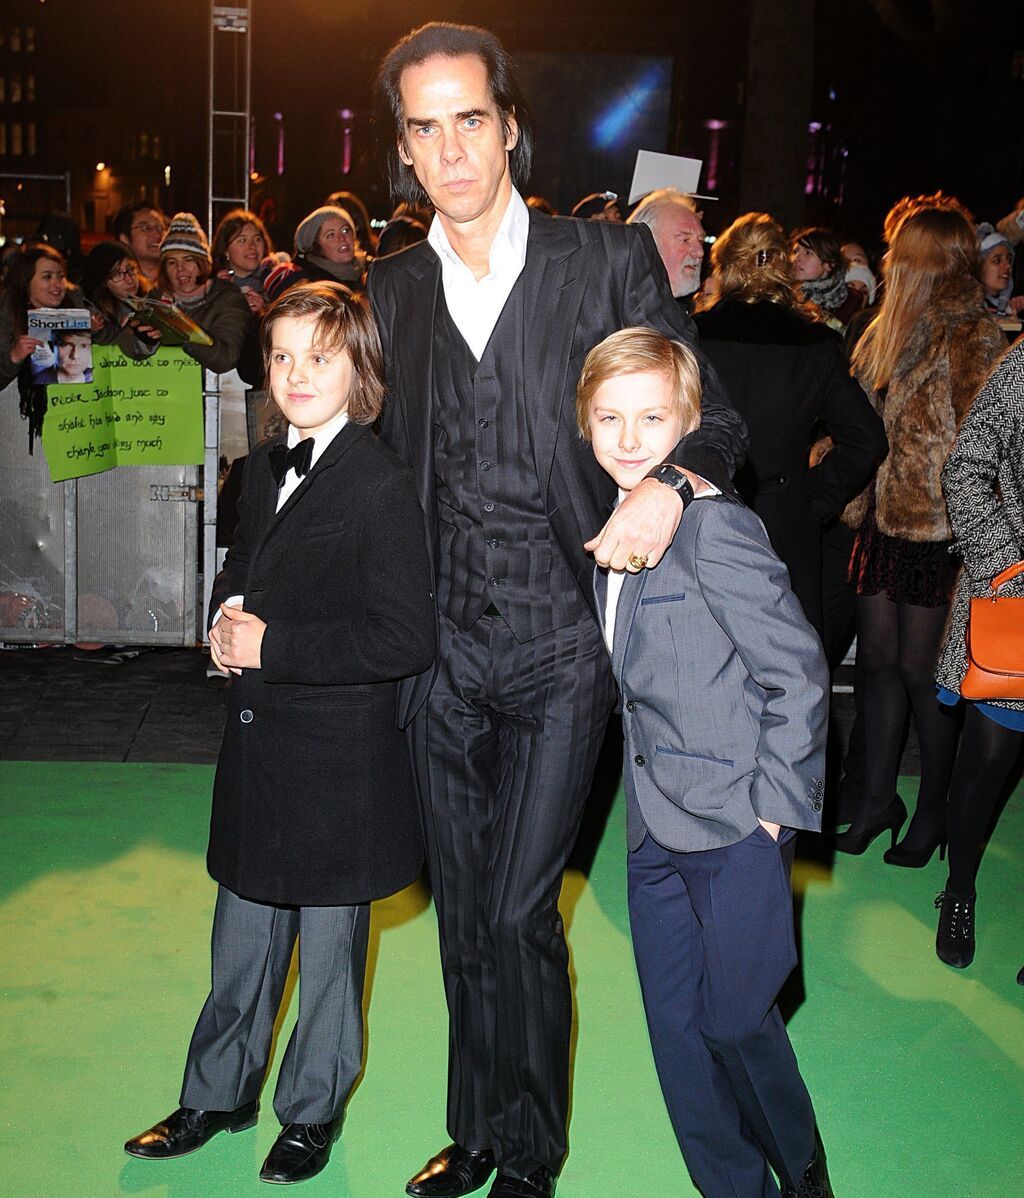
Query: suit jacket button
[631, 706]
[816, 804]
[640, 759]
[246, 716]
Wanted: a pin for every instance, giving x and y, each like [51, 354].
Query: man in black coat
[485, 327]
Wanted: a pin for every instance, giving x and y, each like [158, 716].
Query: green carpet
[917, 1071]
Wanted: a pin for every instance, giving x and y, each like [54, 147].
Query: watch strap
[672, 477]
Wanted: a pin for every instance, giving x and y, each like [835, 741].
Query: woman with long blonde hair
[785, 373]
[923, 358]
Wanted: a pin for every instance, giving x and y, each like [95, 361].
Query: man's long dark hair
[449, 41]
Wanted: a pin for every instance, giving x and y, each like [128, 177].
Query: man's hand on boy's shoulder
[643, 525]
[239, 640]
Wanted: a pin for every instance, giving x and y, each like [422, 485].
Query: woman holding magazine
[36, 278]
[186, 279]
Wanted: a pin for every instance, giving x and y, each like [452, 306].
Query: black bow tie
[298, 458]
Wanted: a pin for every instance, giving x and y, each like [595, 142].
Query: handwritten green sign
[145, 413]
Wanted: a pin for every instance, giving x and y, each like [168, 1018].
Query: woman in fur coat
[923, 358]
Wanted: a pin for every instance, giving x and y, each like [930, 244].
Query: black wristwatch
[668, 474]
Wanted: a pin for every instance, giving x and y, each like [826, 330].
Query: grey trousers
[252, 947]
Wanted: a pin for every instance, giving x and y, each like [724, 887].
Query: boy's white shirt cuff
[711, 488]
[231, 601]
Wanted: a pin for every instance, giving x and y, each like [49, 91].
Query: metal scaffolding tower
[228, 166]
[230, 127]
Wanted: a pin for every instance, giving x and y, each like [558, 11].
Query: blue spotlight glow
[614, 124]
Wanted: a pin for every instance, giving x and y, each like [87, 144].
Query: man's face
[454, 139]
[679, 236]
[75, 354]
[147, 231]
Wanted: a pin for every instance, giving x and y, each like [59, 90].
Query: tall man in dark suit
[485, 326]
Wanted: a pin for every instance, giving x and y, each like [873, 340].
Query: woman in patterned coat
[984, 485]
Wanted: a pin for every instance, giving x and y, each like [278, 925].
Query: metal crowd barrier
[113, 558]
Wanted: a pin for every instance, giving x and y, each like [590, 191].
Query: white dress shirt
[292, 482]
[475, 305]
[324, 437]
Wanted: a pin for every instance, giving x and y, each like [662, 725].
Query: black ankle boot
[954, 939]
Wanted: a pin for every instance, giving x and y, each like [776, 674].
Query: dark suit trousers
[713, 938]
[506, 744]
[252, 950]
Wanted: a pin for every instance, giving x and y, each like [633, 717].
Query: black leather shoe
[815, 1182]
[188, 1129]
[1020, 976]
[454, 1171]
[540, 1184]
[954, 938]
[300, 1151]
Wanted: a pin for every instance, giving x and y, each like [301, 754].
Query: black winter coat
[313, 801]
[784, 374]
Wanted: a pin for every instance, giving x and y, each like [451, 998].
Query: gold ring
[638, 560]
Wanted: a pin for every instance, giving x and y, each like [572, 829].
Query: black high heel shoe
[856, 839]
[954, 938]
[899, 854]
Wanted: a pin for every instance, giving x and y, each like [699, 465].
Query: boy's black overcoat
[313, 801]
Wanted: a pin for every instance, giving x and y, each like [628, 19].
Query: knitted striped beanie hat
[185, 234]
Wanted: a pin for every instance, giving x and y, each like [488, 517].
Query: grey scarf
[828, 292]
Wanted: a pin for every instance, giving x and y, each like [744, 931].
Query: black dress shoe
[188, 1129]
[454, 1171]
[815, 1182]
[540, 1184]
[300, 1151]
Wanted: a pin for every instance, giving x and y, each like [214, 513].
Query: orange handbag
[995, 643]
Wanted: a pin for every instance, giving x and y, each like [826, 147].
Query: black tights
[987, 754]
[897, 648]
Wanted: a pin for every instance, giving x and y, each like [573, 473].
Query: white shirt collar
[323, 438]
[507, 249]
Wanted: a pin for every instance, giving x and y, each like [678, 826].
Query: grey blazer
[724, 688]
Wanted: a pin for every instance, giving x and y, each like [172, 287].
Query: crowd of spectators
[886, 430]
